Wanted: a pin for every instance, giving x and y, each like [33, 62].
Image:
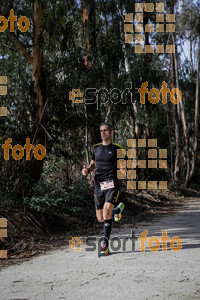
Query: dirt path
[67, 274]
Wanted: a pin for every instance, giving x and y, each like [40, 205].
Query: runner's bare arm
[90, 168]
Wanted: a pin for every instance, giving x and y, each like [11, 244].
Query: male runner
[106, 187]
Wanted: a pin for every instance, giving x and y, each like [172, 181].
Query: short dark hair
[110, 126]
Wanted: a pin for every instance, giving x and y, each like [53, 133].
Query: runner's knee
[99, 215]
[100, 218]
[106, 214]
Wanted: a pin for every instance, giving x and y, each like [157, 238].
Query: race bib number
[105, 185]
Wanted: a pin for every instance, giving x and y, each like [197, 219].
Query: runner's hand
[84, 170]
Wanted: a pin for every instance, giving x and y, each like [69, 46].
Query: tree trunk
[137, 129]
[132, 126]
[38, 85]
[124, 46]
[146, 59]
[175, 113]
[176, 133]
[182, 113]
[196, 128]
[89, 36]
[191, 58]
[170, 142]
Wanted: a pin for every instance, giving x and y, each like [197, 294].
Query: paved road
[132, 274]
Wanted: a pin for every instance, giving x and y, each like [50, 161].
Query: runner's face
[106, 133]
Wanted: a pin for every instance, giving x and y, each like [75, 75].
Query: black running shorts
[100, 197]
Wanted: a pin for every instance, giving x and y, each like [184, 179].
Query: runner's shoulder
[118, 146]
[97, 144]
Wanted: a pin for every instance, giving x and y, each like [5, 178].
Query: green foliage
[43, 204]
[48, 197]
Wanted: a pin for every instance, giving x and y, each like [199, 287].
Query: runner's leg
[99, 215]
[107, 210]
[107, 215]
[99, 200]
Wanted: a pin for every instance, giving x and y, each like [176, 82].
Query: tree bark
[89, 36]
[124, 46]
[196, 127]
[38, 86]
[175, 113]
[182, 113]
[191, 58]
